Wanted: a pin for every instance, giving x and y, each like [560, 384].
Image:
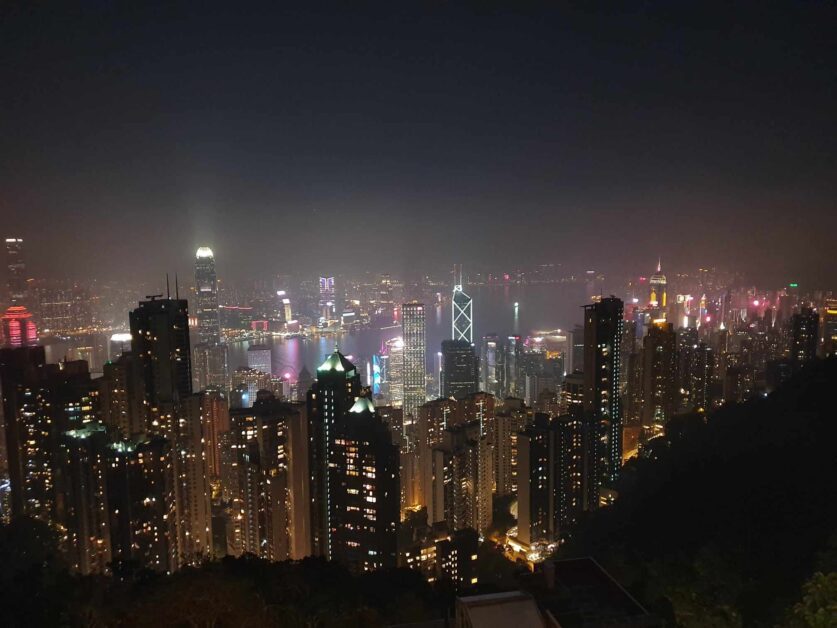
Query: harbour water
[539, 307]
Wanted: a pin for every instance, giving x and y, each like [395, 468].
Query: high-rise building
[216, 419]
[572, 392]
[510, 418]
[459, 369]
[206, 288]
[261, 488]
[804, 338]
[259, 358]
[462, 479]
[64, 309]
[829, 328]
[253, 380]
[364, 502]
[658, 298]
[210, 353]
[491, 365]
[700, 377]
[462, 318]
[123, 398]
[434, 418]
[40, 402]
[415, 354]
[160, 340]
[140, 495]
[193, 519]
[16, 268]
[392, 372]
[602, 366]
[659, 375]
[513, 386]
[85, 513]
[17, 328]
[558, 478]
[329, 400]
[328, 298]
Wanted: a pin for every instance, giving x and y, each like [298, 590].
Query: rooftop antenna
[176, 289]
[168, 291]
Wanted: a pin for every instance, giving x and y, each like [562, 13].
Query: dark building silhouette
[261, 487]
[123, 398]
[804, 338]
[602, 367]
[140, 495]
[329, 401]
[659, 375]
[85, 513]
[365, 500]
[160, 340]
[40, 402]
[558, 478]
[459, 369]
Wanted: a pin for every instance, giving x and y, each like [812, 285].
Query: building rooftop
[362, 404]
[513, 608]
[583, 594]
[336, 362]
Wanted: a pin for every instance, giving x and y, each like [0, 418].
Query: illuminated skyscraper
[329, 401]
[415, 351]
[556, 476]
[206, 287]
[491, 365]
[365, 499]
[327, 298]
[261, 488]
[658, 298]
[602, 365]
[210, 357]
[259, 358]
[17, 327]
[829, 324]
[40, 401]
[392, 372]
[123, 399]
[462, 317]
[17, 271]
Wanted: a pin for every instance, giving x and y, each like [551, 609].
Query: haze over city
[432, 133]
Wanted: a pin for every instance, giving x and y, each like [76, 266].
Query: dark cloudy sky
[397, 133]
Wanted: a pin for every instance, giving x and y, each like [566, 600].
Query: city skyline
[387, 314]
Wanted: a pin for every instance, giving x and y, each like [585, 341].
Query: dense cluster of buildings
[168, 457]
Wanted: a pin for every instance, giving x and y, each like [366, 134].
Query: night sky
[390, 137]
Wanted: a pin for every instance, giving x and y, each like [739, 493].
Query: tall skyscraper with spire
[414, 326]
[658, 297]
[206, 287]
[210, 358]
[462, 315]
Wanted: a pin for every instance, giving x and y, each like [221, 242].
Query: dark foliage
[732, 512]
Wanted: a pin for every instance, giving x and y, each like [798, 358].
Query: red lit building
[18, 327]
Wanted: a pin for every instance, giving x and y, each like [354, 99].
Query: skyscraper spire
[659, 264]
